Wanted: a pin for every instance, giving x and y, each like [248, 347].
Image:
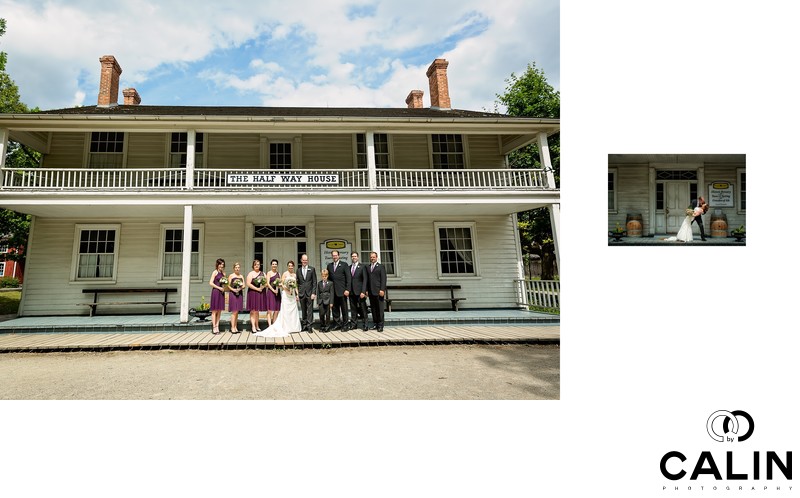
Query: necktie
[372, 268]
[304, 272]
[353, 270]
[334, 266]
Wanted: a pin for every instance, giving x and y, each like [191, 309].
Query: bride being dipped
[288, 320]
[685, 232]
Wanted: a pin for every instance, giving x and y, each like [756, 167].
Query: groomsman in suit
[306, 290]
[340, 275]
[358, 291]
[377, 290]
[325, 295]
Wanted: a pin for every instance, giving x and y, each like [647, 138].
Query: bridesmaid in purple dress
[236, 296]
[256, 300]
[273, 293]
[217, 295]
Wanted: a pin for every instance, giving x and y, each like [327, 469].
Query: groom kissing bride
[694, 213]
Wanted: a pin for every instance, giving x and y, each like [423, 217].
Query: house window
[280, 155]
[381, 150]
[386, 236]
[3, 248]
[279, 231]
[96, 251]
[172, 257]
[177, 150]
[2, 268]
[742, 190]
[106, 149]
[456, 249]
[612, 191]
[448, 152]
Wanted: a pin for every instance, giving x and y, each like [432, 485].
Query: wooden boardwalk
[192, 339]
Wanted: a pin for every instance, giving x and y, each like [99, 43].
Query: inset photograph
[677, 199]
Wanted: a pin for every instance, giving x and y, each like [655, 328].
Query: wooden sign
[721, 194]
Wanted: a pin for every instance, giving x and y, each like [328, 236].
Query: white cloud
[153, 39]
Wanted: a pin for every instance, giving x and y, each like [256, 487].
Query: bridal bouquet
[259, 281]
[236, 285]
[223, 282]
[690, 211]
[291, 286]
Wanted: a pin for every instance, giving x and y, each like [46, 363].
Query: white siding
[411, 152]
[416, 256]
[328, 152]
[66, 151]
[147, 150]
[724, 173]
[47, 287]
[233, 150]
[633, 196]
[484, 152]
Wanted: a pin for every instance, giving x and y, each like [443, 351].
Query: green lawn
[9, 302]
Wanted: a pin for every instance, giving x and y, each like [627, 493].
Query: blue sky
[276, 53]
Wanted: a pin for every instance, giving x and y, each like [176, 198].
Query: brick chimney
[131, 96]
[109, 81]
[437, 79]
[414, 99]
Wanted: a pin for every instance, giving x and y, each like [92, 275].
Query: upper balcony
[227, 180]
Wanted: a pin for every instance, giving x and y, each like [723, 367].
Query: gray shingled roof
[323, 112]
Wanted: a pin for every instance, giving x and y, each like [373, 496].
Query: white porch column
[371, 168]
[191, 140]
[374, 230]
[544, 153]
[186, 268]
[555, 217]
[3, 151]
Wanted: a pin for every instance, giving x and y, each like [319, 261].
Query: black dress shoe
[380, 329]
[703, 239]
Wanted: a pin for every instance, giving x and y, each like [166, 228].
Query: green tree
[14, 226]
[531, 95]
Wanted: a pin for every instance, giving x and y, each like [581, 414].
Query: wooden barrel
[634, 225]
[719, 225]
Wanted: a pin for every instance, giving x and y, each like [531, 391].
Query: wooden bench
[424, 299]
[112, 290]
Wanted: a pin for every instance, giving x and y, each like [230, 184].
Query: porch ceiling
[675, 158]
[132, 205]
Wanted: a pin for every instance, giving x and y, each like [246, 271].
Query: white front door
[283, 250]
[677, 200]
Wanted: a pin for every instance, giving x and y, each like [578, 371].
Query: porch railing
[540, 293]
[217, 179]
[94, 179]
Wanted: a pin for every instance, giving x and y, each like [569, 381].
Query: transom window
[96, 251]
[172, 258]
[456, 249]
[381, 150]
[106, 149]
[280, 231]
[178, 146]
[386, 236]
[448, 151]
[280, 155]
[676, 175]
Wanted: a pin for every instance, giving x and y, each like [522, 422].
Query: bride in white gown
[685, 232]
[288, 320]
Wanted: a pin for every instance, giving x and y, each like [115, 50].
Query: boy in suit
[325, 300]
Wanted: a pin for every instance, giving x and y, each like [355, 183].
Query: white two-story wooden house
[135, 195]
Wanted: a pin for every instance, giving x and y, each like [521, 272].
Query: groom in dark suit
[699, 218]
[340, 276]
[306, 290]
[376, 289]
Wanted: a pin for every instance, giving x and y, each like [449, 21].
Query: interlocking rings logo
[730, 419]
